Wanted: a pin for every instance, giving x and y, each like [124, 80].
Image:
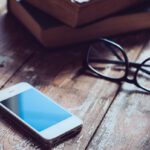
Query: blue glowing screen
[36, 110]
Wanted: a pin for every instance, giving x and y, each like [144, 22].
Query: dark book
[77, 14]
[52, 33]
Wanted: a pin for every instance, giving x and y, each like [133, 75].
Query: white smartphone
[38, 113]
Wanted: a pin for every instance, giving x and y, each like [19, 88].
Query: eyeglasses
[108, 60]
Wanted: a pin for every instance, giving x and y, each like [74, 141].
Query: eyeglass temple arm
[131, 64]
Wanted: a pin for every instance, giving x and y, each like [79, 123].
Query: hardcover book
[79, 12]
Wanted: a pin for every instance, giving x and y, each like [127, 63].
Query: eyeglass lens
[107, 60]
[143, 75]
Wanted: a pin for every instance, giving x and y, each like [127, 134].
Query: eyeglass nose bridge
[130, 80]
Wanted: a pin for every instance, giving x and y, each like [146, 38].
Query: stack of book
[58, 23]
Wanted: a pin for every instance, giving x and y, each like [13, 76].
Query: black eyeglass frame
[127, 66]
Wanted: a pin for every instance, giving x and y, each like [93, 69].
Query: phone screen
[36, 110]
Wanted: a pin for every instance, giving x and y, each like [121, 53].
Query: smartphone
[38, 114]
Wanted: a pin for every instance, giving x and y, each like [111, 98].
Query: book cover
[52, 33]
[79, 12]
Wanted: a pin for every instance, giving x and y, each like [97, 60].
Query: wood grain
[12, 57]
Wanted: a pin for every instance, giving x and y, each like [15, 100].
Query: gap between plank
[118, 90]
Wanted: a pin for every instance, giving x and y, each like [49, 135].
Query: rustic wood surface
[116, 116]
[126, 125]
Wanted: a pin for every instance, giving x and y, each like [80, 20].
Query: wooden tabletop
[116, 116]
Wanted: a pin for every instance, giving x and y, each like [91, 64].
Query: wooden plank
[14, 48]
[57, 75]
[126, 125]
